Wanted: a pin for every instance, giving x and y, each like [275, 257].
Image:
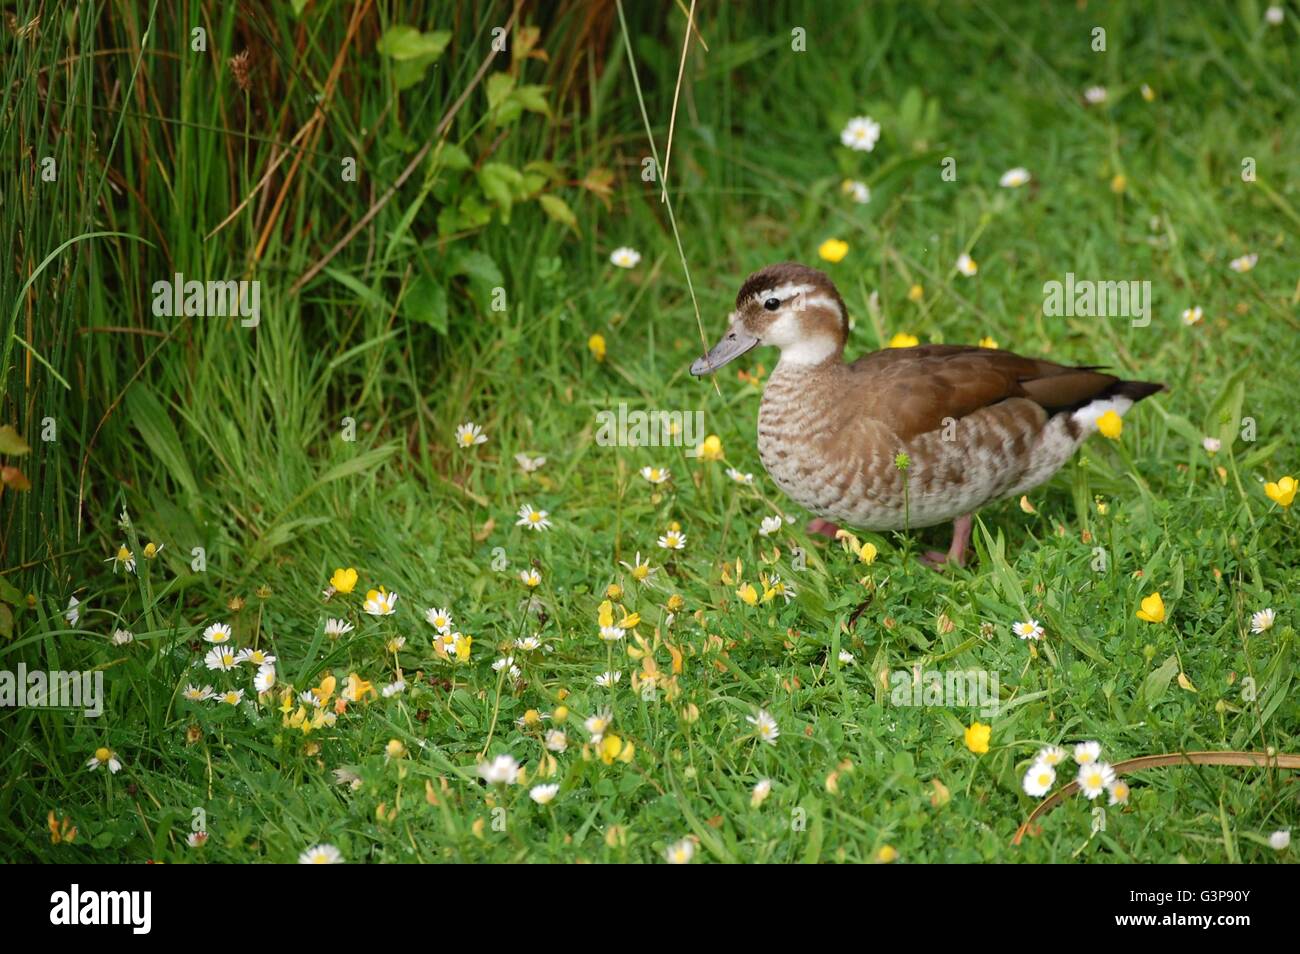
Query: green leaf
[6, 621]
[11, 443]
[502, 184]
[426, 302]
[1157, 683]
[499, 86]
[411, 52]
[480, 269]
[559, 210]
[158, 432]
[533, 99]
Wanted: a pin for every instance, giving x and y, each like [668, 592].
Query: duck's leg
[957, 551]
[824, 528]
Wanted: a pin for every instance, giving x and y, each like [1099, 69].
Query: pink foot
[957, 552]
[823, 528]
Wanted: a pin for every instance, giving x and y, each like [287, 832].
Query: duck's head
[787, 305]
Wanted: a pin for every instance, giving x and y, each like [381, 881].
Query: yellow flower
[344, 581]
[1282, 492]
[915, 293]
[977, 737]
[748, 594]
[711, 449]
[358, 689]
[614, 591]
[1119, 183]
[833, 250]
[904, 340]
[867, 553]
[1148, 93]
[1111, 425]
[887, 855]
[560, 714]
[596, 343]
[990, 343]
[151, 550]
[462, 646]
[675, 603]
[395, 749]
[630, 622]
[610, 747]
[1153, 609]
[532, 717]
[605, 615]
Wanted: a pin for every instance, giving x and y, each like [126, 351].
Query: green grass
[232, 439]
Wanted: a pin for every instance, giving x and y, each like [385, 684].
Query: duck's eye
[772, 304]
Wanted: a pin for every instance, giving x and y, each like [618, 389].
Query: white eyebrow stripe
[783, 291]
[822, 301]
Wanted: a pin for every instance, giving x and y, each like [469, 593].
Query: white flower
[530, 577]
[502, 770]
[769, 526]
[439, 619]
[1029, 629]
[861, 134]
[1192, 315]
[1086, 753]
[612, 634]
[1118, 791]
[542, 794]
[861, 194]
[529, 464]
[556, 741]
[232, 697]
[624, 257]
[778, 588]
[195, 694]
[1280, 839]
[258, 657]
[1014, 178]
[966, 265]
[607, 679]
[321, 855]
[1039, 780]
[528, 643]
[469, 434]
[395, 644]
[503, 663]
[656, 475]
[1093, 779]
[196, 839]
[1052, 755]
[533, 519]
[394, 688]
[221, 657]
[739, 477]
[765, 726]
[1211, 445]
[264, 679]
[597, 724]
[217, 633]
[104, 756]
[380, 603]
[122, 636]
[680, 852]
[673, 540]
[762, 789]
[1095, 94]
[641, 570]
[846, 657]
[1262, 621]
[124, 558]
[73, 612]
[334, 628]
[1273, 15]
[1243, 264]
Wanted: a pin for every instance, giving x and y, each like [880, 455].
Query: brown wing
[914, 389]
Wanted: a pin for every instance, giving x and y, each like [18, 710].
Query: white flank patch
[1087, 415]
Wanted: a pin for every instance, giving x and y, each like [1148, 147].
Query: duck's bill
[733, 344]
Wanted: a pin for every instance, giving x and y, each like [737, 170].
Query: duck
[903, 438]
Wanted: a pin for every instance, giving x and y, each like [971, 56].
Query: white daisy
[765, 726]
[1029, 629]
[530, 577]
[769, 526]
[122, 558]
[502, 770]
[231, 697]
[533, 519]
[607, 680]
[334, 628]
[1094, 778]
[1211, 444]
[196, 839]
[504, 662]
[738, 477]
[542, 794]
[556, 740]
[1192, 315]
[321, 855]
[122, 636]
[380, 603]
[104, 756]
[762, 789]
[528, 643]
[1095, 94]
[680, 852]
[1052, 755]
[196, 694]
[529, 464]
[861, 134]
[221, 657]
[217, 633]
[1039, 779]
[966, 265]
[656, 475]
[258, 657]
[1243, 264]
[597, 724]
[469, 434]
[1085, 753]
[264, 679]
[1014, 178]
[395, 644]
[439, 619]
[393, 689]
[858, 190]
[1118, 791]
[1280, 839]
[1262, 621]
[846, 658]
[673, 540]
[1273, 15]
[625, 257]
[641, 570]
[612, 634]
[73, 612]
